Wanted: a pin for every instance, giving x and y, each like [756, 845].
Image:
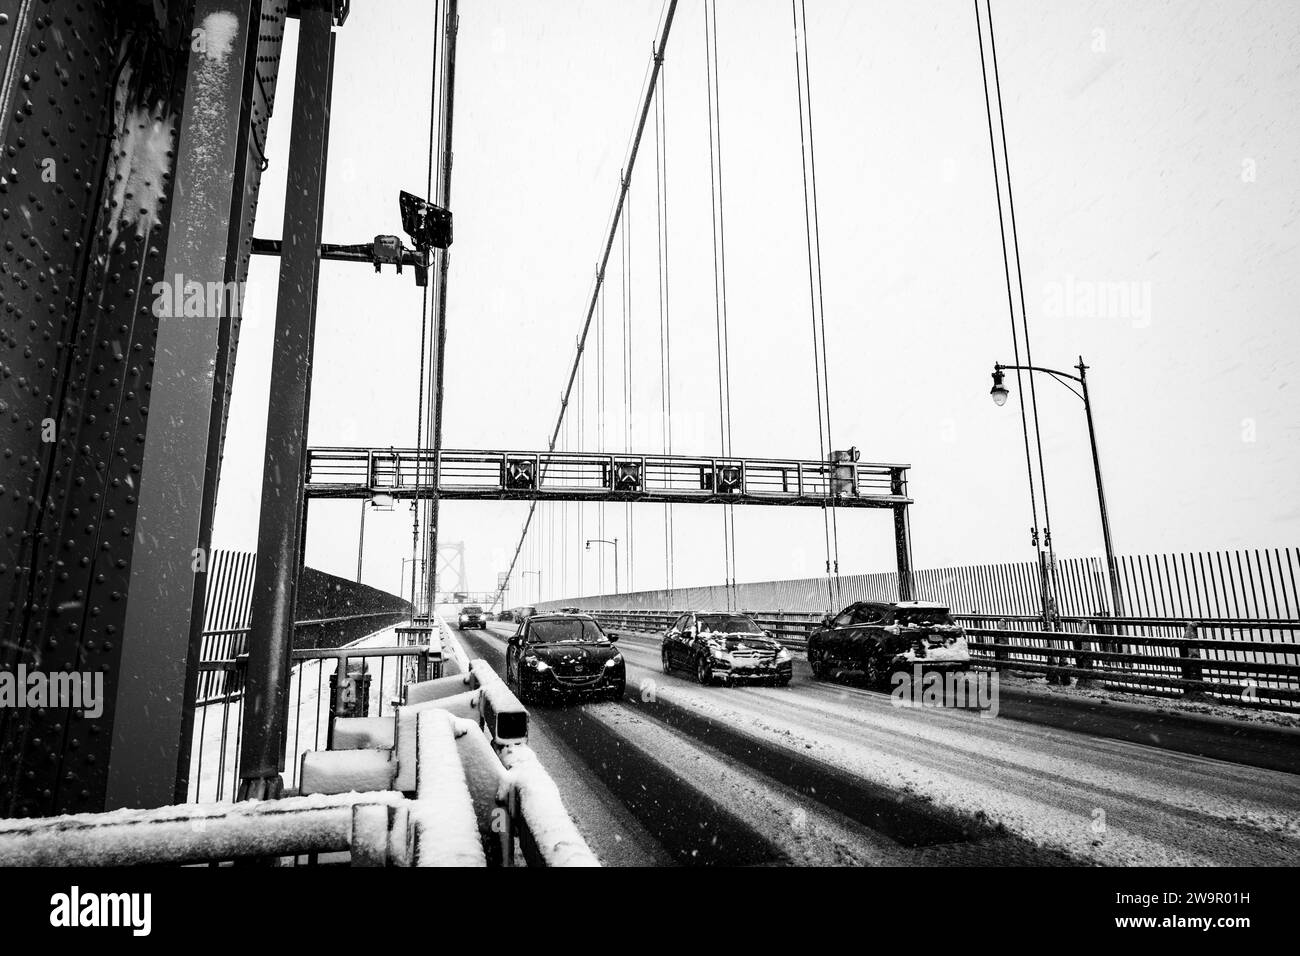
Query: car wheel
[703, 670]
[876, 668]
[819, 669]
[782, 682]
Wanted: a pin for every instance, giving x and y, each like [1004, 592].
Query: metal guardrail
[1139, 654]
[569, 476]
[228, 643]
[214, 763]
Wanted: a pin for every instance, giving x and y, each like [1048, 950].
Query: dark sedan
[879, 638]
[726, 646]
[565, 656]
[471, 615]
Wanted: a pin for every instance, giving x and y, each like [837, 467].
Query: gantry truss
[403, 473]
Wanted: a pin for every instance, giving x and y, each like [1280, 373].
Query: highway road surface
[822, 773]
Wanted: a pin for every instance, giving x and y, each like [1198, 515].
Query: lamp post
[414, 563]
[614, 545]
[524, 574]
[999, 394]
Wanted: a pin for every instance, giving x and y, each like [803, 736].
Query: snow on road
[1103, 800]
[1100, 800]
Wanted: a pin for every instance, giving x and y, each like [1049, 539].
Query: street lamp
[415, 564]
[999, 394]
[524, 574]
[614, 545]
[998, 391]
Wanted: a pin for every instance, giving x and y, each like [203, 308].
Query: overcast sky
[1152, 144]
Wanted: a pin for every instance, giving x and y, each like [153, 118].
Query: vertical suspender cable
[665, 332]
[628, 526]
[821, 303]
[416, 540]
[1006, 268]
[814, 302]
[1024, 316]
[720, 279]
[670, 10]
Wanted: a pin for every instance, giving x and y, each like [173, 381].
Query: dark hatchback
[730, 647]
[879, 638]
[564, 656]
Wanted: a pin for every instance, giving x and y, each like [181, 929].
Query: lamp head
[998, 391]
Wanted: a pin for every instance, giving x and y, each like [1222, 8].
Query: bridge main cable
[625, 182]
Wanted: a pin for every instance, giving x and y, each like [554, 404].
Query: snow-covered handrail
[546, 831]
[451, 646]
[190, 833]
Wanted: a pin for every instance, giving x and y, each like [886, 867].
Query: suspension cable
[821, 301]
[720, 279]
[1006, 268]
[628, 525]
[1024, 313]
[816, 300]
[665, 332]
[424, 332]
[670, 10]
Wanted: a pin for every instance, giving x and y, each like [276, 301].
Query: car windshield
[922, 616]
[575, 631]
[728, 624]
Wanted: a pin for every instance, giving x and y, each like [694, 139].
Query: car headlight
[783, 654]
[718, 651]
[537, 664]
[614, 661]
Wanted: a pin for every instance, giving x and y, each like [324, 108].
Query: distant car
[730, 647]
[505, 615]
[471, 615]
[563, 655]
[521, 614]
[879, 638]
[569, 610]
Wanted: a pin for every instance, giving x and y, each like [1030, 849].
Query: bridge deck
[580, 476]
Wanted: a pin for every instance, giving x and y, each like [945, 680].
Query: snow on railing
[452, 782]
[191, 833]
[445, 830]
[451, 646]
[547, 833]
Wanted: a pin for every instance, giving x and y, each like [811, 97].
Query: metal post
[902, 537]
[1111, 570]
[361, 538]
[616, 590]
[271, 627]
[151, 715]
[443, 198]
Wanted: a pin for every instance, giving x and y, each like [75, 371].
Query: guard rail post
[1190, 655]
